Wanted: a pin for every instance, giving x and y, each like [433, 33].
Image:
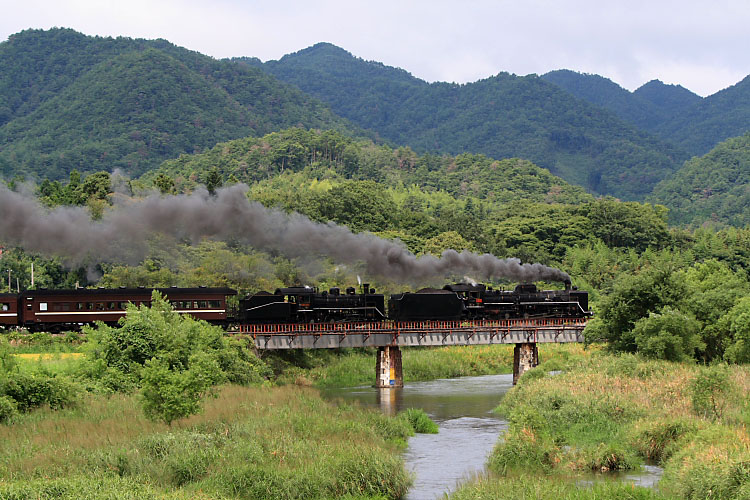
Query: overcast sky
[702, 45]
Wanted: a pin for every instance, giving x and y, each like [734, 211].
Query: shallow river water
[462, 408]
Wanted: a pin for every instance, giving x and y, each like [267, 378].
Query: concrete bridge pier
[388, 371]
[525, 357]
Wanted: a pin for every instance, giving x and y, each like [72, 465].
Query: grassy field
[263, 442]
[595, 413]
[605, 413]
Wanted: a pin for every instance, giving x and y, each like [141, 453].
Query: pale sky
[702, 45]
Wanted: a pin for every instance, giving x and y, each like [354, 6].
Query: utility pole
[32, 275]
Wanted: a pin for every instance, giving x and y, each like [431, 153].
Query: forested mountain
[714, 187]
[502, 116]
[649, 107]
[670, 99]
[716, 118]
[671, 112]
[70, 101]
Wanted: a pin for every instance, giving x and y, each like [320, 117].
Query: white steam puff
[121, 234]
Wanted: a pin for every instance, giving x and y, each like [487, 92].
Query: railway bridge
[390, 336]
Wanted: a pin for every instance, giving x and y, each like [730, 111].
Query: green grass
[282, 442]
[530, 487]
[609, 413]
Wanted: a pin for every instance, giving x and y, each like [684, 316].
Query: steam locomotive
[453, 302]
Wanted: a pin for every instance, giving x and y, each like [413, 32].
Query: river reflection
[462, 407]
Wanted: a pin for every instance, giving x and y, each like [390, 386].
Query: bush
[655, 439]
[8, 409]
[33, 390]
[421, 422]
[708, 391]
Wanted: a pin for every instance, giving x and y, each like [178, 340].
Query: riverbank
[610, 413]
[259, 442]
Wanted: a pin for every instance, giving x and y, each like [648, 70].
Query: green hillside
[69, 101]
[649, 107]
[503, 116]
[606, 94]
[716, 118]
[711, 188]
[670, 99]
[332, 155]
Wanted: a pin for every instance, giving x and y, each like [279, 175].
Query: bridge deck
[414, 333]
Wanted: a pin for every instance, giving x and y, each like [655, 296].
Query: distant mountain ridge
[712, 188]
[649, 107]
[502, 116]
[673, 113]
[70, 101]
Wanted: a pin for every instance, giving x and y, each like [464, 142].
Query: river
[462, 408]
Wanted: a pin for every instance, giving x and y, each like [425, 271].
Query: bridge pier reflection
[390, 400]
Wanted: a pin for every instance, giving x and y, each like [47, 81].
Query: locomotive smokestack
[121, 234]
[568, 284]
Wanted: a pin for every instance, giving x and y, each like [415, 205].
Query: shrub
[33, 390]
[170, 394]
[421, 422]
[708, 391]
[8, 410]
[655, 439]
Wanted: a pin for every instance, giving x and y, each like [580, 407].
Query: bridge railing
[396, 327]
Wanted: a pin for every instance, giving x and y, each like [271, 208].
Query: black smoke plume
[121, 235]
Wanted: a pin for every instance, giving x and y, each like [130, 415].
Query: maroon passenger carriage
[8, 309]
[57, 310]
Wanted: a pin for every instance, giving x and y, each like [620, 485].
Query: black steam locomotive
[307, 305]
[460, 301]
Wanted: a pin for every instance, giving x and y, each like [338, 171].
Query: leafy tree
[630, 225]
[164, 183]
[668, 334]
[445, 241]
[213, 180]
[737, 323]
[636, 295]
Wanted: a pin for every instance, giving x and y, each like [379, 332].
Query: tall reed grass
[263, 442]
[611, 412]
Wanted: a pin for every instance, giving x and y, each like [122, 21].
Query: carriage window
[112, 306]
[122, 305]
[42, 306]
[90, 306]
[79, 306]
[214, 304]
[4, 306]
[202, 304]
[100, 306]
